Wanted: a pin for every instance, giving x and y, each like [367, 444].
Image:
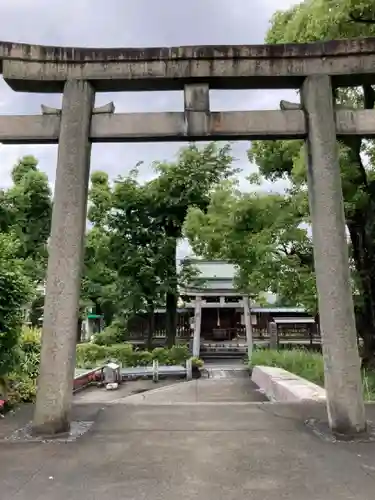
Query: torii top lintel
[39, 68]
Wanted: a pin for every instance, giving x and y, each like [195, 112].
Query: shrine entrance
[316, 69]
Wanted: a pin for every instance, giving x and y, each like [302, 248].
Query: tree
[99, 281]
[26, 211]
[124, 262]
[312, 21]
[262, 234]
[187, 182]
[14, 294]
[138, 246]
[144, 222]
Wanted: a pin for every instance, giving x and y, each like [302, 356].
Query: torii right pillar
[346, 411]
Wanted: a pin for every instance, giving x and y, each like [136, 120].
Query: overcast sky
[137, 23]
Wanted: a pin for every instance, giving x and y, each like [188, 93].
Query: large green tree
[264, 236]
[143, 222]
[124, 262]
[25, 211]
[180, 185]
[316, 21]
[138, 245]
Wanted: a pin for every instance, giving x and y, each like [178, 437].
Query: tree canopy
[187, 182]
[25, 211]
[311, 21]
[131, 247]
[262, 234]
[266, 234]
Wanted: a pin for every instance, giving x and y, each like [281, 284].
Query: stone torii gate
[78, 73]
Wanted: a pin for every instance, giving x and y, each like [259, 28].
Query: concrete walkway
[187, 446]
[235, 388]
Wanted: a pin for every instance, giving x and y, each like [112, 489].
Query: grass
[308, 365]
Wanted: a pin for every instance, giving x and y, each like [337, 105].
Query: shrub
[22, 388]
[179, 354]
[30, 340]
[21, 383]
[197, 362]
[301, 362]
[112, 334]
[122, 353]
[91, 355]
[162, 355]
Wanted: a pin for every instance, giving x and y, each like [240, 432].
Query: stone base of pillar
[56, 428]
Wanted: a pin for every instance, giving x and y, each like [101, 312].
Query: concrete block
[283, 386]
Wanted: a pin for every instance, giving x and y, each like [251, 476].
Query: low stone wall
[281, 385]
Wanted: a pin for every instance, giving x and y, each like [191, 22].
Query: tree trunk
[363, 255]
[79, 330]
[361, 225]
[172, 294]
[151, 325]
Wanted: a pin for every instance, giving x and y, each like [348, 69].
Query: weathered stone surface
[55, 383]
[197, 326]
[106, 108]
[248, 325]
[338, 330]
[273, 335]
[171, 126]
[41, 68]
[48, 110]
[197, 110]
[283, 386]
[34, 129]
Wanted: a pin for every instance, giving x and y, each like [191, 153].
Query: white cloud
[133, 24]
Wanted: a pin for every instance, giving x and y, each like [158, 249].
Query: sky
[140, 23]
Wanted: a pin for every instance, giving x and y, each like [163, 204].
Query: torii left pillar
[66, 246]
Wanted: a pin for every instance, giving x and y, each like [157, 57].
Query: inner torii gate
[316, 69]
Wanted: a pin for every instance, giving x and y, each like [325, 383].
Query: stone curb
[282, 386]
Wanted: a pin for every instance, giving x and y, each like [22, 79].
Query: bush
[22, 388]
[91, 355]
[197, 362]
[179, 354]
[112, 334]
[30, 340]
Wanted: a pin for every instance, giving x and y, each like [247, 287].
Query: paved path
[233, 387]
[211, 448]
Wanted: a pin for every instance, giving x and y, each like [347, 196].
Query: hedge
[91, 355]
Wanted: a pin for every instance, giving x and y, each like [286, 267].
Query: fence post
[273, 334]
[155, 370]
[189, 369]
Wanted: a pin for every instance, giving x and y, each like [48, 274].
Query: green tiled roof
[215, 274]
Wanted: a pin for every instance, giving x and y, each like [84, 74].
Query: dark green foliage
[92, 355]
[29, 207]
[14, 293]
